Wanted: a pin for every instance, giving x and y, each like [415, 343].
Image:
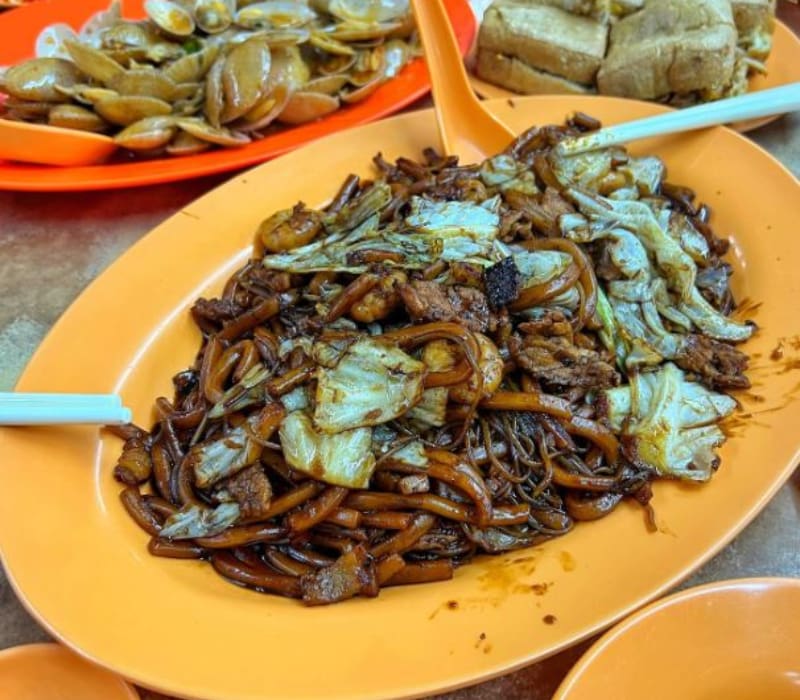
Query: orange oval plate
[736, 640]
[19, 29]
[49, 672]
[81, 566]
[783, 67]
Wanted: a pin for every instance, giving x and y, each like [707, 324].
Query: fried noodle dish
[444, 361]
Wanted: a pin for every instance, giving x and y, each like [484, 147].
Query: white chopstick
[763, 103]
[17, 408]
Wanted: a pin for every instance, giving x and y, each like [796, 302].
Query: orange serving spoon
[467, 130]
[52, 145]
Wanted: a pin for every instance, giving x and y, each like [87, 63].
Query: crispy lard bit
[716, 364]
[251, 490]
[218, 310]
[349, 575]
[502, 283]
[431, 301]
[559, 364]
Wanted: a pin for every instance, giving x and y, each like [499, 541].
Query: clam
[289, 36]
[274, 13]
[368, 66]
[128, 109]
[192, 67]
[206, 132]
[192, 104]
[368, 11]
[214, 16]
[147, 134]
[323, 41]
[289, 68]
[170, 17]
[138, 41]
[184, 144]
[93, 62]
[92, 31]
[354, 31]
[264, 113]
[25, 110]
[214, 99]
[86, 94]
[76, 117]
[327, 84]
[245, 76]
[333, 65]
[305, 107]
[365, 90]
[144, 81]
[37, 79]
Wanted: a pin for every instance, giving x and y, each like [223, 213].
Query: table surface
[53, 245]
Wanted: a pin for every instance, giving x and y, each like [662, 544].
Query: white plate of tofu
[678, 52]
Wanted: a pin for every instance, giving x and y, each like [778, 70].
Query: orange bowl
[737, 640]
[52, 672]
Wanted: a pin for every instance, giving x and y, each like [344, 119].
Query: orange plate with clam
[20, 29]
[81, 565]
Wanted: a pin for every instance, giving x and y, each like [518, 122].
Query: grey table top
[53, 245]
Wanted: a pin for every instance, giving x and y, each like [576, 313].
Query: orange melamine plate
[80, 564]
[51, 672]
[737, 640]
[19, 29]
[783, 68]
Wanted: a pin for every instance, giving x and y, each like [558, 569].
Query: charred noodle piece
[231, 568]
[314, 512]
[405, 539]
[527, 401]
[387, 520]
[160, 507]
[137, 508]
[243, 535]
[588, 279]
[344, 517]
[293, 499]
[590, 506]
[291, 380]
[285, 564]
[352, 293]
[388, 567]
[569, 480]
[174, 550]
[447, 467]
[236, 360]
[369, 500]
[540, 293]
[597, 433]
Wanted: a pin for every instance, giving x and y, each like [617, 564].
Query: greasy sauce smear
[567, 561]
[782, 359]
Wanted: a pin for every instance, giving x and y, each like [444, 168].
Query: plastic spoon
[763, 103]
[467, 130]
[17, 408]
[52, 145]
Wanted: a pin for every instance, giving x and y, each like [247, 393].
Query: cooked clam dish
[202, 73]
[443, 361]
